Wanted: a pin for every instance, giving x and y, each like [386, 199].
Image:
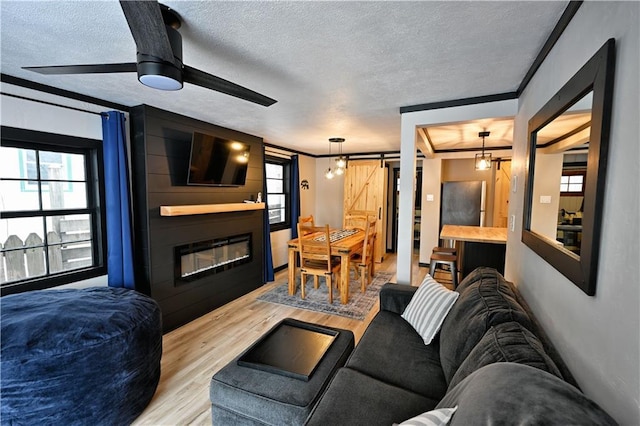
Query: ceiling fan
[154, 27]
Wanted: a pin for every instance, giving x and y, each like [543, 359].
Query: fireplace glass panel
[196, 260]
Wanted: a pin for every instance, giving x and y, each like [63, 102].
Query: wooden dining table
[342, 247]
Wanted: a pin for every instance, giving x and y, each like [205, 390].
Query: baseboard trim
[280, 268]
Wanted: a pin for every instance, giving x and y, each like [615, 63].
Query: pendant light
[483, 161]
[340, 162]
[329, 173]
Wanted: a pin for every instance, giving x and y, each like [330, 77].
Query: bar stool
[450, 260]
[445, 250]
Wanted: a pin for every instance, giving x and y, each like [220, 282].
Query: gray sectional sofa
[491, 360]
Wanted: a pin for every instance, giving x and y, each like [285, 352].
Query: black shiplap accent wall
[160, 145]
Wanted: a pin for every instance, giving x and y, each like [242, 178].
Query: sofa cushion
[509, 393]
[354, 398]
[429, 307]
[507, 342]
[437, 417]
[396, 297]
[483, 303]
[474, 276]
[390, 350]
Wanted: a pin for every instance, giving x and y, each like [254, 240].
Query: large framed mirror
[566, 165]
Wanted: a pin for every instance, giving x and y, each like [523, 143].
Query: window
[572, 182]
[52, 217]
[278, 199]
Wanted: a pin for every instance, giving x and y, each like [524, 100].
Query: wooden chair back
[357, 219]
[369, 238]
[363, 262]
[305, 222]
[363, 212]
[315, 256]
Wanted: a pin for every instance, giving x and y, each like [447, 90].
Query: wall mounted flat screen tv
[216, 161]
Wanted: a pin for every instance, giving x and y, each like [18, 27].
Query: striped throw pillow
[439, 417]
[428, 308]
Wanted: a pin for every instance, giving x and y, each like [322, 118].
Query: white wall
[329, 196]
[308, 196]
[429, 234]
[27, 114]
[598, 336]
[544, 216]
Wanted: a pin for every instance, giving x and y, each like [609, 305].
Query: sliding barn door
[365, 188]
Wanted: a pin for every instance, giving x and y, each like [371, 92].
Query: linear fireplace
[196, 260]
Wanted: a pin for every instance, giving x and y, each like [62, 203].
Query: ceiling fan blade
[148, 29]
[203, 79]
[85, 69]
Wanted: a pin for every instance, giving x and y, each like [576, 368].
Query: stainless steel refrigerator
[463, 203]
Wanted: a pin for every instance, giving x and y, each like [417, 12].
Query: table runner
[337, 235]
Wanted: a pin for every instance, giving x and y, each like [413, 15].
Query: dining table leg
[291, 269]
[344, 278]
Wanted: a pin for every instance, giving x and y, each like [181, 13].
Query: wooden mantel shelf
[208, 208]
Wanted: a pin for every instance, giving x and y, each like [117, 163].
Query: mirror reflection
[559, 177]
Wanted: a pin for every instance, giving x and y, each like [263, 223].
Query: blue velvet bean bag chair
[80, 356]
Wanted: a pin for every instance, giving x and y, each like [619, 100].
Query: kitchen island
[477, 246]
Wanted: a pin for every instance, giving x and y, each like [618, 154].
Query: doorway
[396, 204]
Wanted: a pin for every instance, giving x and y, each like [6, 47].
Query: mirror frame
[597, 75]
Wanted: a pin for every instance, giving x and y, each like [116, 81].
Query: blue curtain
[267, 270]
[294, 192]
[117, 197]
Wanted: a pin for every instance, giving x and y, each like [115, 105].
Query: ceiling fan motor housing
[159, 74]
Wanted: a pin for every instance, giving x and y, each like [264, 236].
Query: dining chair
[362, 261]
[357, 219]
[316, 259]
[305, 222]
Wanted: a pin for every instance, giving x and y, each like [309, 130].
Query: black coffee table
[292, 348]
[280, 378]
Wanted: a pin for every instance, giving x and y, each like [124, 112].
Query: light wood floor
[194, 352]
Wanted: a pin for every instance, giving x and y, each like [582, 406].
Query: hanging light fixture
[329, 173]
[483, 161]
[341, 162]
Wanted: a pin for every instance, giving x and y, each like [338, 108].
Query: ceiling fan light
[160, 82]
[159, 75]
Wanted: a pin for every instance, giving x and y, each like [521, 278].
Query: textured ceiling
[336, 68]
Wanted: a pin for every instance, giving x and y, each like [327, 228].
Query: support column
[406, 203]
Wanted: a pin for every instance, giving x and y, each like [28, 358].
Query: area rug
[318, 299]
